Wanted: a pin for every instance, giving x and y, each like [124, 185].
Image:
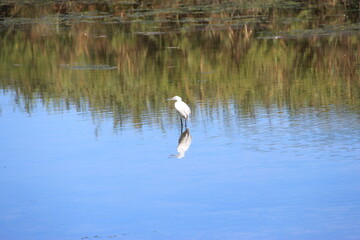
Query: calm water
[90, 149]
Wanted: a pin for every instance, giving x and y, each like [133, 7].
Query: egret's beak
[169, 99]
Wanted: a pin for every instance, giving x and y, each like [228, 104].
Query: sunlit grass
[116, 63]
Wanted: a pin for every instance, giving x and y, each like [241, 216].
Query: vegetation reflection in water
[286, 72]
[121, 60]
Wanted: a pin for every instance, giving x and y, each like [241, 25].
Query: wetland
[91, 149]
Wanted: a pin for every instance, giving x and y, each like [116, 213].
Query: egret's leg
[181, 125]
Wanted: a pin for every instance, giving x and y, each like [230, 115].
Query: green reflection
[123, 59]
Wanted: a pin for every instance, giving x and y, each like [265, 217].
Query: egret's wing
[183, 109]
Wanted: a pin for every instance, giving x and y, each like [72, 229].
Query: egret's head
[176, 98]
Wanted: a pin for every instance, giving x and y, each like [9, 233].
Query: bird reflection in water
[184, 143]
[185, 138]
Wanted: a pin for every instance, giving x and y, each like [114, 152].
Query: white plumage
[182, 108]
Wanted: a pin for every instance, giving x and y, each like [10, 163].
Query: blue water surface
[65, 175]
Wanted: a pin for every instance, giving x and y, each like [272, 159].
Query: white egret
[182, 109]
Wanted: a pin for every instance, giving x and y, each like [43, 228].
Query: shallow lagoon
[89, 144]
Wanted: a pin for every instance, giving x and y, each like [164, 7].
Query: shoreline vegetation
[96, 55]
